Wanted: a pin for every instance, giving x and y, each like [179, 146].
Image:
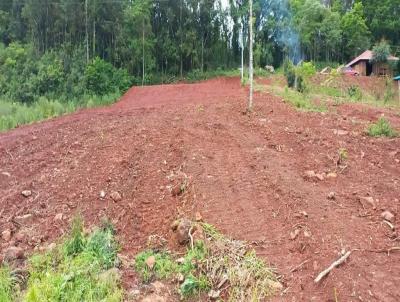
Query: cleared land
[244, 174]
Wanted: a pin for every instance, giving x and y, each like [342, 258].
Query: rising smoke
[276, 15]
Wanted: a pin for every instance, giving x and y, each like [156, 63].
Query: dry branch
[332, 266]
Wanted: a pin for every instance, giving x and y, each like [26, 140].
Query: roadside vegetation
[80, 268]
[214, 265]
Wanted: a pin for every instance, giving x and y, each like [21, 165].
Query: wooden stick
[332, 266]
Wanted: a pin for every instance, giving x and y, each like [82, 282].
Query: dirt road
[245, 175]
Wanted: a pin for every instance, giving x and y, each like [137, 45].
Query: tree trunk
[87, 31]
[242, 59]
[250, 106]
[181, 39]
[143, 52]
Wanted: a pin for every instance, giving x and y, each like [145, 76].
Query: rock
[150, 262]
[6, 174]
[304, 213]
[115, 196]
[388, 216]
[320, 176]
[198, 217]
[174, 224]
[6, 235]
[182, 231]
[368, 200]
[214, 294]
[156, 242]
[26, 193]
[331, 175]
[19, 237]
[294, 234]
[310, 175]
[24, 219]
[275, 285]
[307, 234]
[154, 298]
[102, 194]
[180, 278]
[58, 217]
[13, 253]
[332, 196]
[180, 260]
[340, 132]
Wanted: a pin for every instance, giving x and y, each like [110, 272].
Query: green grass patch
[301, 101]
[227, 266]
[381, 128]
[82, 268]
[8, 290]
[14, 114]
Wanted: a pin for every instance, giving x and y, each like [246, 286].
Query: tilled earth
[246, 174]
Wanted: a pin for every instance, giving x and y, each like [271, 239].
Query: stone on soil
[115, 196]
[26, 193]
[6, 235]
[388, 216]
[182, 230]
[150, 262]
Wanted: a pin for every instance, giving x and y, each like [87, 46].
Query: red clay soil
[246, 176]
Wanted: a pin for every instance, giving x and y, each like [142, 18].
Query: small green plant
[381, 128]
[354, 92]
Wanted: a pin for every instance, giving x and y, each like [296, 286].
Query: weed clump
[7, 285]
[381, 128]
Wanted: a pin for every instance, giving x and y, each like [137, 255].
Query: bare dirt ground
[245, 175]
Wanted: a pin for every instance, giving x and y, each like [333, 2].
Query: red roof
[367, 56]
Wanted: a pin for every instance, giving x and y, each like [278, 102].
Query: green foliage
[78, 270]
[163, 268]
[355, 93]
[102, 78]
[7, 286]
[355, 30]
[381, 52]
[382, 128]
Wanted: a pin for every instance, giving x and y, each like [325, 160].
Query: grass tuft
[381, 128]
[7, 285]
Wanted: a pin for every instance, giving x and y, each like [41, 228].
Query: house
[365, 66]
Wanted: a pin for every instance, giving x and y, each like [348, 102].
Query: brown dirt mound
[244, 174]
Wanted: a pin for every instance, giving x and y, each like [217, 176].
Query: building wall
[361, 68]
[382, 69]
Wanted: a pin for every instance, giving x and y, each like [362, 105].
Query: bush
[382, 128]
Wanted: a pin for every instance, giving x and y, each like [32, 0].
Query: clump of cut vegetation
[381, 128]
[217, 263]
[80, 269]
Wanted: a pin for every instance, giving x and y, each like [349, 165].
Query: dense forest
[68, 49]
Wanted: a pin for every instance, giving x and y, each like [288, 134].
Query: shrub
[382, 128]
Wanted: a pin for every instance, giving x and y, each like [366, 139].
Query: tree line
[161, 39]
